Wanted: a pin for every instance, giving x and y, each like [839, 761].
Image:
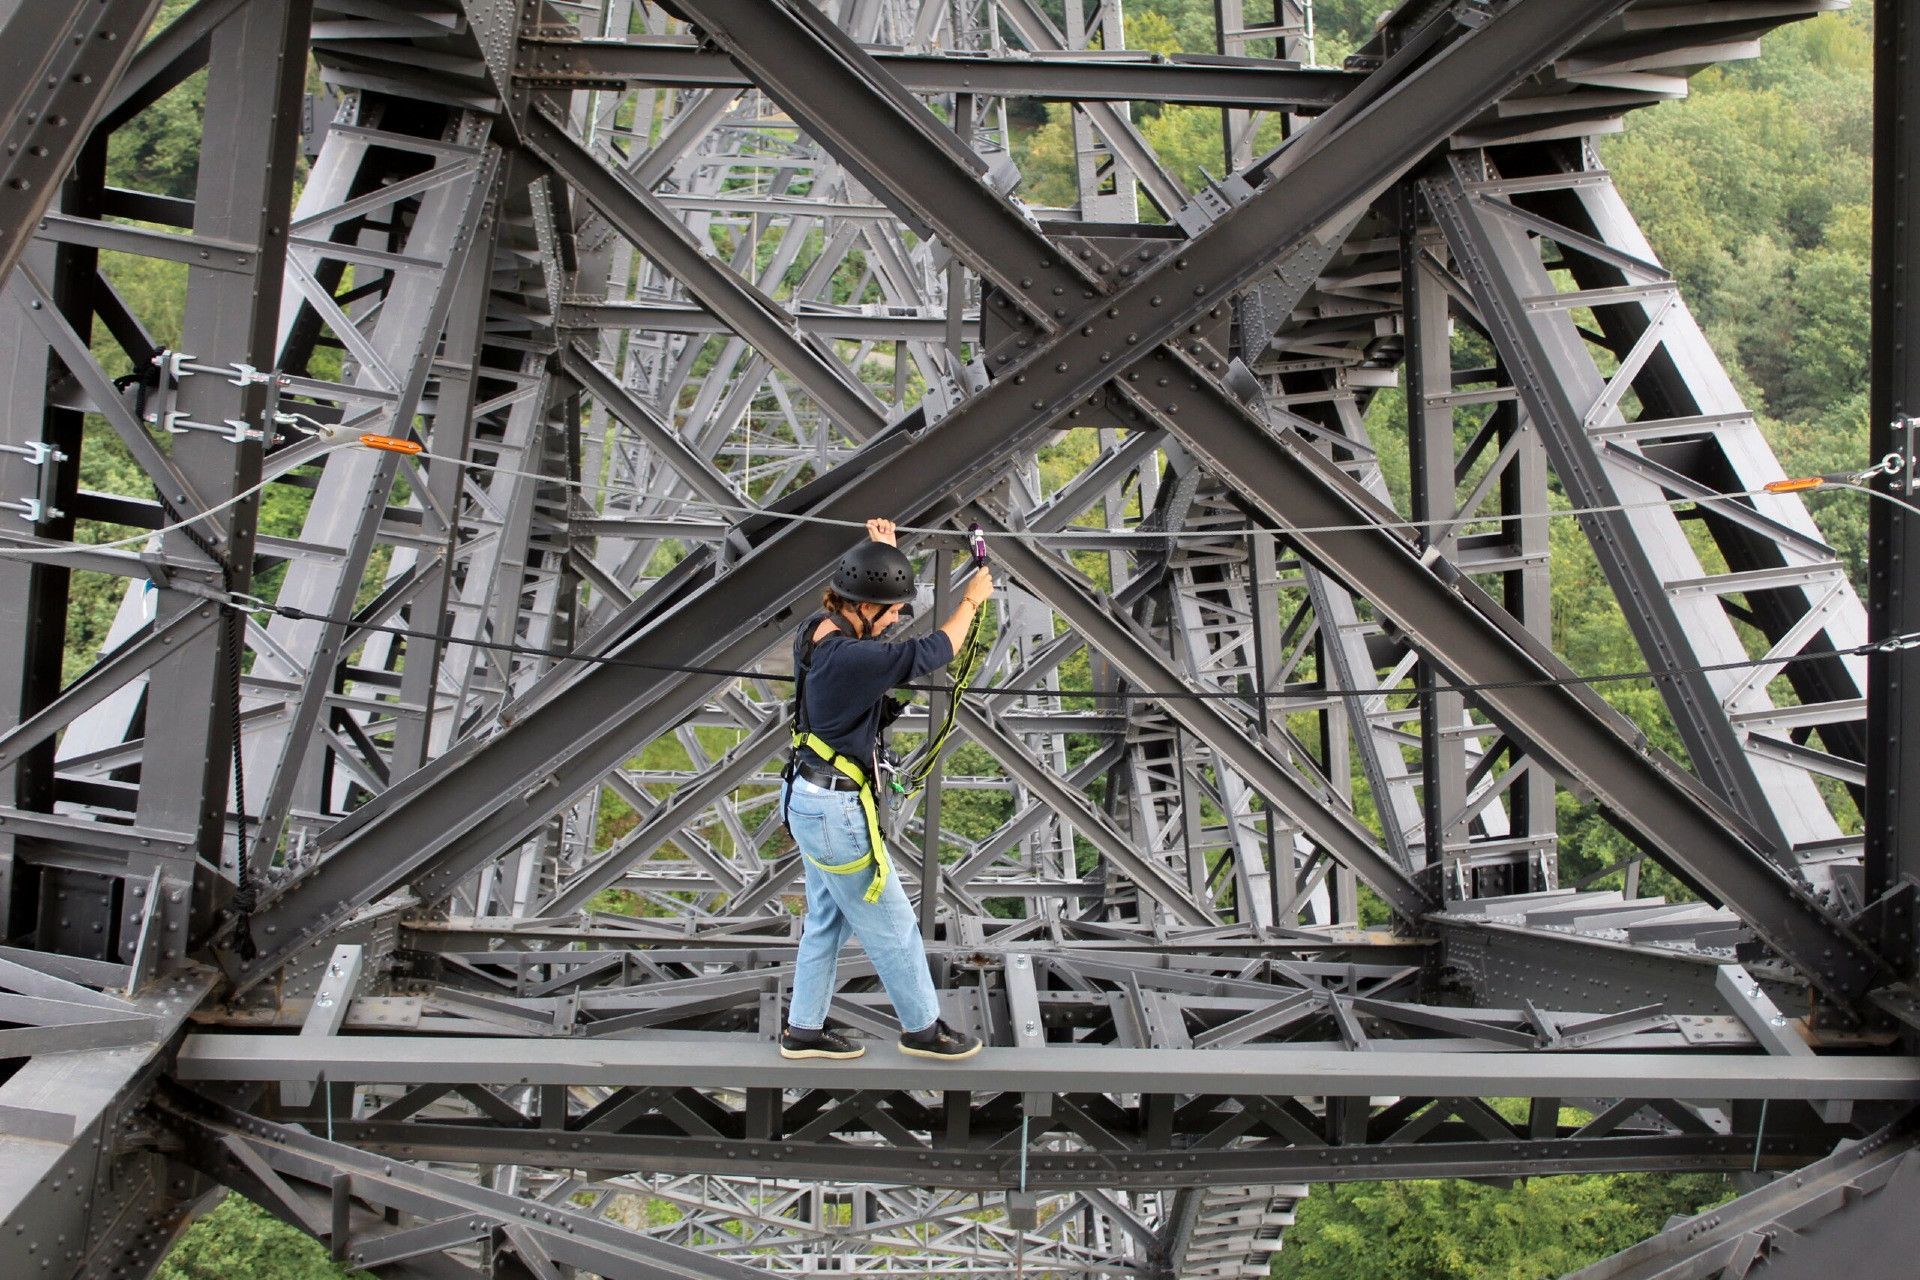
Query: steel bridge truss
[1248, 858]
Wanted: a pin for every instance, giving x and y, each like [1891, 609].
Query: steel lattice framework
[1246, 859]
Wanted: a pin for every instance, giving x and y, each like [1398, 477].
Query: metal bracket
[32, 510]
[36, 452]
[328, 1012]
[234, 430]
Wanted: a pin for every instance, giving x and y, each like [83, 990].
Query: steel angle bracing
[1653, 798]
[1185, 697]
[1664, 360]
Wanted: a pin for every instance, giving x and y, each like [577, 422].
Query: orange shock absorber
[392, 444]
[1795, 485]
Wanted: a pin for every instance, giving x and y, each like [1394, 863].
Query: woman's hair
[833, 602]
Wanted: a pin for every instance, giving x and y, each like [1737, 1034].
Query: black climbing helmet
[874, 573]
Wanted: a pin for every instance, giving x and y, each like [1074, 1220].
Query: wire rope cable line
[1838, 480]
[253, 604]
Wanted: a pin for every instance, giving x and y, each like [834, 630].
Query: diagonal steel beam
[484, 797]
[59, 61]
[1110, 636]
[487, 798]
[650, 225]
[131, 659]
[1072, 805]
[845, 99]
[1115, 129]
[687, 463]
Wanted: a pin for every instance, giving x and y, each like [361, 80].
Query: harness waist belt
[805, 745]
[822, 774]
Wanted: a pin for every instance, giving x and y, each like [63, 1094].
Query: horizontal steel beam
[920, 326]
[741, 1061]
[1198, 79]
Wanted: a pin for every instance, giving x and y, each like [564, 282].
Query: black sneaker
[939, 1041]
[818, 1044]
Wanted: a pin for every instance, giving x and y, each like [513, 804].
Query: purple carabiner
[979, 539]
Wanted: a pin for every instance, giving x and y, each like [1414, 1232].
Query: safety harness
[909, 779]
[804, 739]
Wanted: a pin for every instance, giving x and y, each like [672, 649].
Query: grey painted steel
[1116, 131]
[755, 317]
[1893, 694]
[1644, 552]
[1267, 1073]
[1252, 83]
[498, 812]
[58, 61]
[277, 1165]
[1341, 835]
[328, 1011]
[696, 470]
[1851, 1210]
[508, 765]
[73, 1190]
[256, 74]
[1649, 794]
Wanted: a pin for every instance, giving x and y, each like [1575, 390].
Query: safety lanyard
[804, 739]
[914, 775]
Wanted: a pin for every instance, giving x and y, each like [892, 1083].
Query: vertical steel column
[1893, 605]
[29, 638]
[256, 72]
[1431, 442]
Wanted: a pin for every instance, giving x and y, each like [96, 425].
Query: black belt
[822, 774]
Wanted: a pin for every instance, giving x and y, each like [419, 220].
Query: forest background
[1755, 191]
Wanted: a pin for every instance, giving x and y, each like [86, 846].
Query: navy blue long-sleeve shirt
[849, 677]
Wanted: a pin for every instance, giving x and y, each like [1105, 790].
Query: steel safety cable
[1062, 537]
[1903, 641]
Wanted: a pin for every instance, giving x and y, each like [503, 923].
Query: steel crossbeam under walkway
[396, 843]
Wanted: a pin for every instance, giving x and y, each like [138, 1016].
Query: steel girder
[1652, 797]
[504, 824]
[61, 61]
[487, 556]
[1892, 859]
[1601, 458]
[494, 793]
[1254, 84]
[1147, 1117]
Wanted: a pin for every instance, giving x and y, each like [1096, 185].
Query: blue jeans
[830, 827]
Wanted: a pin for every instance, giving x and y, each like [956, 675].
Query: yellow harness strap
[876, 854]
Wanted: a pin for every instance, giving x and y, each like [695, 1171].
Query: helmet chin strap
[863, 625]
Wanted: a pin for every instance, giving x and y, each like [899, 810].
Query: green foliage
[1455, 1230]
[1754, 192]
[239, 1240]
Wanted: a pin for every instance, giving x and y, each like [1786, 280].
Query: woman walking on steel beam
[831, 804]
